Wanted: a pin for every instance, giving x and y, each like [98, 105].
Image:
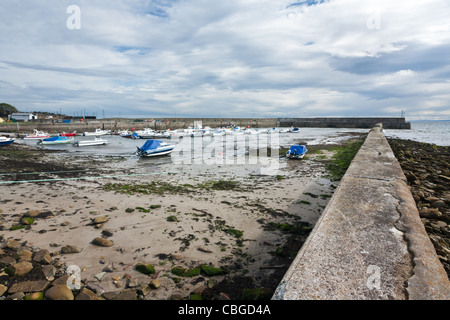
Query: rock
[49, 272]
[43, 257]
[16, 296]
[202, 249]
[70, 249]
[127, 294]
[59, 292]
[35, 296]
[25, 254]
[3, 289]
[155, 284]
[145, 268]
[431, 199]
[8, 260]
[86, 294]
[29, 286]
[102, 242]
[438, 204]
[107, 233]
[32, 213]
[12, 244]
[100, 220]
[99, 276]
[143, 289]
[430, 213]
[20, 268]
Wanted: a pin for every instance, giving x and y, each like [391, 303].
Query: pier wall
[365, 123]
[369, 243]
[183, 123]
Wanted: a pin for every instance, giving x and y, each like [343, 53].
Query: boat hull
[6, 142]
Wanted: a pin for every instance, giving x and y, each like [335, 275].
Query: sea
[428, 131]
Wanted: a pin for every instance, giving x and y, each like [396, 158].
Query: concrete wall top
[369, 243]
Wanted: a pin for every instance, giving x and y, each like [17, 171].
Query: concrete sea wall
[183, 123]
[369, 243]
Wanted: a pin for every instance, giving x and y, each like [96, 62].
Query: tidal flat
[171, 231]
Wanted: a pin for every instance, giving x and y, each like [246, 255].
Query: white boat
[97, 141]
[36, 135]
[5, 141]
[97, 132]
[251, 131]
[218, 133]
[153, 148]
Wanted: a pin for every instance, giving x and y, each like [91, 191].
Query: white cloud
[256, 57]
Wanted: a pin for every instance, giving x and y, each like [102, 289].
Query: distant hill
[6, 109]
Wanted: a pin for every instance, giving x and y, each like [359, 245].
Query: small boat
[55, 140]
[295, 130]
[152, 148]
[296, 152]
[36, 135]
[5, 141]
[71, 134]
[97, 132]
[97, 141]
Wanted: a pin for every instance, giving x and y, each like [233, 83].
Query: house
[23, 116]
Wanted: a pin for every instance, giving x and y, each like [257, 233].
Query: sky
[233, 58]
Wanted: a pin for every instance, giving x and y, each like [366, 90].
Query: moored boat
[152, 148]
[97, 132]
[97, 141]
[6, 141]
[296, 152]
[71, 134]
[36, 135]
[55, 140]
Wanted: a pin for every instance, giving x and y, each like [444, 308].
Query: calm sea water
[436, 132]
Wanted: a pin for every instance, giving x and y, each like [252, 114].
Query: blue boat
[296, 152]
[55, 140]
[152, 148]
[5, 141]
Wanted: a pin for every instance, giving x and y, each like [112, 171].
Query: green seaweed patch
[342, 159]
[301, 228]
[141, 209]
[129, 210]
[182, 272]
[235, 232]
[27, 221]
[195, 296]
[145, 268]
[154, 187]
[219, 185]
[172, 219]
[256, 294]
[212, 271]
[17, 227]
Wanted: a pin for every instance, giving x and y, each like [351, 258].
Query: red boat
[73, 134]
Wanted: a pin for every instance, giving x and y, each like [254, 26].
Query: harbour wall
[369, 243]
[184, 123]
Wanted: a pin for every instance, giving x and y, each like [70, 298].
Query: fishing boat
[97, 132]
[5, 141]
[96, 142]
[152, 148]
[36, 135]
[55, 140]
[71, 134]
[296, 152]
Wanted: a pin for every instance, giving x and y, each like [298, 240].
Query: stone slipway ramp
[369, 243]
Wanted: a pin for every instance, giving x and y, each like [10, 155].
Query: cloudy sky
[233, 58]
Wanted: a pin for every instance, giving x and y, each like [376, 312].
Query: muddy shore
[214, 232]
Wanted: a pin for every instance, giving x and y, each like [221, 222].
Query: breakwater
[364, 123]
[369, 243]
[184, 123]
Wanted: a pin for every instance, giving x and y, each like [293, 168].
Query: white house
[23, 116]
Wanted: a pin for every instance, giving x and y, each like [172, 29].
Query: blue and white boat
[5, 141]
[296, 152]
[152, 148]
[295, 130]
[55, 140]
